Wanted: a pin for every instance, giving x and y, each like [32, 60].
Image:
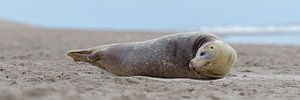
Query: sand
[34, 66]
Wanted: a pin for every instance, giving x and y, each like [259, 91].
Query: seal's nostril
[194, 68]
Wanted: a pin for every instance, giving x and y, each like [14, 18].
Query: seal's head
[213, 60]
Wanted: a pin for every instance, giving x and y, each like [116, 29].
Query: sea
[265, 35]
[265, 39]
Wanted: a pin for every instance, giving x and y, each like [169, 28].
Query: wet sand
[34, 66]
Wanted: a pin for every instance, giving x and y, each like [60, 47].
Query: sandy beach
[34, 66]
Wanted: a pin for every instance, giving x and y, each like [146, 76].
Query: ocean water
[265, 39]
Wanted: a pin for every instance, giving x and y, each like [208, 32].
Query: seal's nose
[191, 65]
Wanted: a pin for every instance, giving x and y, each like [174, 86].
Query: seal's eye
[211, 47]
[202, 53]
[205, 55]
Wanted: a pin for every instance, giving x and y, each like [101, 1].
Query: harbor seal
[183, 55]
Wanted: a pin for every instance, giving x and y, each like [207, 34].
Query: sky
[150, 14]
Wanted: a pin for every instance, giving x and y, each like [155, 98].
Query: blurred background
[240, 21]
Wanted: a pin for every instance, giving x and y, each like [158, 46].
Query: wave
[252, 29]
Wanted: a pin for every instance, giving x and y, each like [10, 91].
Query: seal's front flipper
[80, 55]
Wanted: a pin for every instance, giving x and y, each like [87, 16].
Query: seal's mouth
[207, 72]
[206, 64]
[194, 69]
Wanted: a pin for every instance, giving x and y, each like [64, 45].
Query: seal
[182, 55]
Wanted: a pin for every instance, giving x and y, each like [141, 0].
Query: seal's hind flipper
[80, 54]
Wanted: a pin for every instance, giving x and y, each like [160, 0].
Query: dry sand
[34, 66]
